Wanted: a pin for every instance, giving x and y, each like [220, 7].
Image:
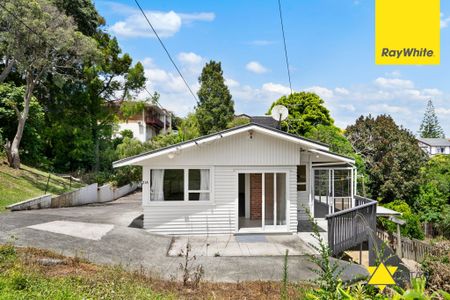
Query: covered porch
[326, 183]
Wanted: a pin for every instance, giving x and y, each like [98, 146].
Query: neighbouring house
[151, 121]
[433, 146]
[250, 178]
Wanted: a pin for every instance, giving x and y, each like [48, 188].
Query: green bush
[412, 228]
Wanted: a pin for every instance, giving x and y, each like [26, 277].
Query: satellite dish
[279, 113]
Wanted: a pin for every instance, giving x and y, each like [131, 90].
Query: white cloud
[445, 21]
[383, 108]
[342, 91]
[204, 16]
[323, 92]
[147, 62]
[231, 82]
[189, 58]
[256, 67]
[443, 111]
[276, 88]
[191, 62]
[349, 107]
[432, 92]
[166, 24]
[388, 83]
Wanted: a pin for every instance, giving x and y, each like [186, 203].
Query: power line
[285, 48]
[165, 49]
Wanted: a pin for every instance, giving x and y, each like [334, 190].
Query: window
[301, 178]
[169, 185]
[198, 188]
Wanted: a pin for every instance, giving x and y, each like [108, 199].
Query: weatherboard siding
[226, 157]
[236, 150]
[213, 217]
[219, 215]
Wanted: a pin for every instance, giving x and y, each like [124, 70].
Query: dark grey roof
[436, 142]
[219, 133]
[265, 121]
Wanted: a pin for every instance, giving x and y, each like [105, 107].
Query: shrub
[412, 228]
[436, 267]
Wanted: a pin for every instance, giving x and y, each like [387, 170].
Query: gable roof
[435, 142]
[318, 146]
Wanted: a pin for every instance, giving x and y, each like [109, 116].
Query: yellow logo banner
[407, 32]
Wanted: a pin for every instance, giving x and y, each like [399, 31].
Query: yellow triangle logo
[381, 275]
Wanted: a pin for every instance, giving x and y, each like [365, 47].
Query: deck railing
[351, 227]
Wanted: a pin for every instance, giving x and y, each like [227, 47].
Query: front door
[263, 202]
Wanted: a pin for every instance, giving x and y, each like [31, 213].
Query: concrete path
[241, 245]
[135, 248]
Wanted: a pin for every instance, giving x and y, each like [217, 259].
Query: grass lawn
[24, 275]
[27, 182]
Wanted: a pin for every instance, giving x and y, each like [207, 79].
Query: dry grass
[31, 260]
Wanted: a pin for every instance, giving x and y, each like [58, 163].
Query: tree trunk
[12, 150]
[7, 70]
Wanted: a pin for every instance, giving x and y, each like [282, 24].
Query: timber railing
[351, 227]
[411, 248]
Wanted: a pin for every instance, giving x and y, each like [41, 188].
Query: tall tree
[306, 111]
[81, 112]
[430, 127]
[392, 157]
[39, 40]
[215, 107]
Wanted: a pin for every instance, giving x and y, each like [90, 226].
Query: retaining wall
[85, 195]
[33, 203]
[107, 192]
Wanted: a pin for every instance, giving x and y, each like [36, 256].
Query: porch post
[275, 199]
[399, 241]
[263, 200]
[352, 192]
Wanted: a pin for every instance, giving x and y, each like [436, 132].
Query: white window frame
[186, 186]
[187, 191]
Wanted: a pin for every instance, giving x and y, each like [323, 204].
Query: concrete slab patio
[135, 248]
[240, 245]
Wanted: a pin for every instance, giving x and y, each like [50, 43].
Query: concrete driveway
[100, 234]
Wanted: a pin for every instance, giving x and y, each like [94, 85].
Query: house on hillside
[250, 179]
[151, 121]
[433, 146]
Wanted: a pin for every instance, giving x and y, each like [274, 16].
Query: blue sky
[330, 45]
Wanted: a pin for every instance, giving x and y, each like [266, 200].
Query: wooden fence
[351, 227]
[411, 248]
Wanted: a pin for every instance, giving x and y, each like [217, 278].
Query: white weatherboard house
[250, 178]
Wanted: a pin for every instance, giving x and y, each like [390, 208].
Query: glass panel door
[280, 181]
[269, 193]
[262, 201]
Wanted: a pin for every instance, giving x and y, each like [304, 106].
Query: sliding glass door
[262, 203]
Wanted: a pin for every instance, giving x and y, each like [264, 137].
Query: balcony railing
[351, 227]
[154, 121]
